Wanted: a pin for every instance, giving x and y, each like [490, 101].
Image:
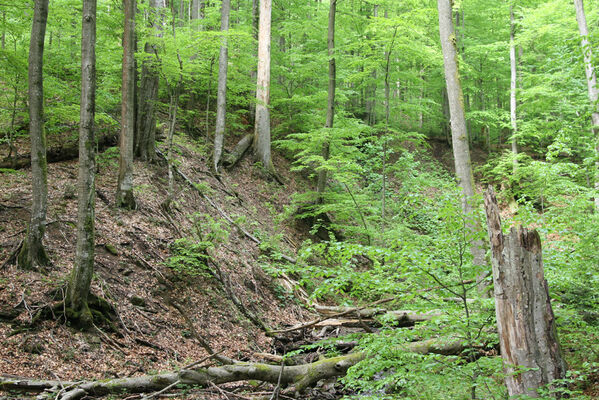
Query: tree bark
[81, 277]
[33, 254]
[459, 132]
[513, 88]
[525, 322]
[322, 173]
[261, 143]
[148, 91]
[238, 151]
[221, 94]
[591, 84]
[124, 194]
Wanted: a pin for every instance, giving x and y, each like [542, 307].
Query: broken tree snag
[527, 334]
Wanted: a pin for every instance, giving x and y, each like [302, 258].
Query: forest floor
[155, 303]
[132, 250]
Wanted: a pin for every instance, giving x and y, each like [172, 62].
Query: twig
[158, 393]
[195, 363]
[220, 390]
[275, 393]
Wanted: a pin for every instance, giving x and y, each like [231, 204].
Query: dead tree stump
[527, 335]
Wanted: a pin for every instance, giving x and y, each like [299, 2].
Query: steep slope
[132, 253]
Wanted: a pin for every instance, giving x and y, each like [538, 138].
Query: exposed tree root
[297, 377]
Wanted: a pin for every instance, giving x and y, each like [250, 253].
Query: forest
[299, 199]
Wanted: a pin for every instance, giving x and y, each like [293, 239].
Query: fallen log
[298, 377]
[238, 151]
[68, 150]
[401, 318]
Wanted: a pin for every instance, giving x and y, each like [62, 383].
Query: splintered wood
[527, 334]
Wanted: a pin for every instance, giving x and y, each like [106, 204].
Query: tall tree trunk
[221, 95]
[591, 83]
[33, 254]
[81, 277]
[387, 114]
[148, 91]
[322, 173]
[513, 88]
[253, 77]
[525, 323]
[262, 125]
[124, 194]
[459, 133]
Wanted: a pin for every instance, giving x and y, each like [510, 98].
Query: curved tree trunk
[124, 193]
[322, 173]
[262, 123]
[591, 83]
[81, 277]
[32, 253]
[221, 95]
[459, 132]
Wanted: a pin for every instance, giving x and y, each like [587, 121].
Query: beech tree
[459, 132]
[81, 276]
[148, 91]
[322, 173]
[124, 193]
[33, 254]
[261, 144]
[221, 99]
[513, 87]
[593, 91]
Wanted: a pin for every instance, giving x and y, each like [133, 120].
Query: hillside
[133, 248]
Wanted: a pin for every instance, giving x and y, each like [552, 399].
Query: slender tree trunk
[253, 72]
[124, 194]
[209, 95]
[197, 12]
[525, 322]
[513, 88]
[322, 173]
[33, 254]
[173, 107]
[221, 96]
[459, 133]
[81, 277]
[262, 126]
[3, 39]
[591, 84]
[387, 114]
[148, 92]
